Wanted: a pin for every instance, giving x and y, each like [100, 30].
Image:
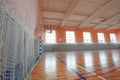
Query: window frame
[113, 39]
[69, 38]
[100, 39]
[87, 38]
[50, 38]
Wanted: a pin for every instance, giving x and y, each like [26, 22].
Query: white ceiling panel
[99, 2]
[87, 13]
[115, 22]
[77, 17]
[71, 23]
[113, 11]
[56, 5]
[53, 15]
[85, 9]
[98, 20]
[91, 25]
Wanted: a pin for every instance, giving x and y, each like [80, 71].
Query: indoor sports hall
[59, 39]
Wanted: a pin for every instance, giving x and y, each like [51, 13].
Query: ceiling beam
[73, 5]
[112, 19]
[99, 12]
[114, 27]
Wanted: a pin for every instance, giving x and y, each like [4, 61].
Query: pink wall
[61, 36]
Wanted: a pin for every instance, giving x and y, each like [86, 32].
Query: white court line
[88, 71]
[92, 73]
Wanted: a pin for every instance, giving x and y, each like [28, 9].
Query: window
[101, 38]
[113, 38]
[87, 37]
[70, 37]
[50, 37]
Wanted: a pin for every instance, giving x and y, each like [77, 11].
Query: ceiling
[69, 14]
[81, 13]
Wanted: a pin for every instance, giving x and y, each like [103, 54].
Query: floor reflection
[50, 63]
[103, 59]
[55, 66]
[71, 61]
[88, 58]
[115, 57]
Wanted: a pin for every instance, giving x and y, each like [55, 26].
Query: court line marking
[112, 65]
[92, 73]
[82, 77]
[88, 71]
[100, 69]
[106, 72]
[97, 75]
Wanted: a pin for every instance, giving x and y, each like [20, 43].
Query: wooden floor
[78, 65]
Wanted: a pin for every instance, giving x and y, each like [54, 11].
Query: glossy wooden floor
[78, 65]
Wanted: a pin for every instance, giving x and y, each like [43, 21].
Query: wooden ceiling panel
[104, 26]
[114, 27]
[77, 17]
[110, 20]
[84, 9]
[53, 15]
[97, 20]
[89, 6]
[82, 13]
[91, 25]
[71, 23]
[100, 11]
[101, 2]
[115, 22]
[56, 5]
[113, 11]
[69, 12]
[51, 22]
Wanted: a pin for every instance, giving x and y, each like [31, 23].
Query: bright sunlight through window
[87, 37]
[70, 37]
[113, 38]
[50, 37]
[101, 38]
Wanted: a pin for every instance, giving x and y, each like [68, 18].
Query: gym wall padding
[78, 47]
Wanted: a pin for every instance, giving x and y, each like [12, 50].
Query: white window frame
[113, 38]
[87, 37]
[101, 37]
[70, 37]
[50, 37]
